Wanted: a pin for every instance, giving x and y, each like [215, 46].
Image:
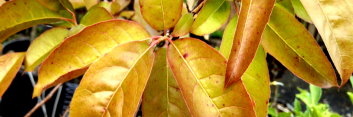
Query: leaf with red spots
[200, 76]
[9, 65]
[161, 14]
[297, 50]
[113, 86]
[253, 17]
[162, 96]
[76, 53]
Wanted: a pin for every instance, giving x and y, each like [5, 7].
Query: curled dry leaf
[199, 70]
[42, 46]
[334, 21]
[17, 15]
[297, 50]
[113, 86]
[162, 96]
[253, 17]
[211, 17]
[161, 14]
[76, 53]
[9, 65]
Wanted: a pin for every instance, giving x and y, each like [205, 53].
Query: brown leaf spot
[185, 55]
[51, 62]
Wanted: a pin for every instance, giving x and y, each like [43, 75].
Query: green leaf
[42, 46]
[253, 17]
[183, 26]
[300, 11]
[305, 97]
[17, 15]
[228, 36]
[203, 87]
[297, 107]
[113, 85]
[333, 20]
[211, 17]
[315, 94]
[95, 15]
[161, 14]
[294, 47]
[162, 96]
[350, 94]
[9, 64]
[286, 4]
[256, 78]
[76, 53]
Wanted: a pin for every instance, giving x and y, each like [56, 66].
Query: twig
[30, 75]
[43, 102]
[197, 9]
[66, 112]
[56, 101]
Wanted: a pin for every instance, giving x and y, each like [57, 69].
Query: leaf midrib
[197, 80]
[128, 73]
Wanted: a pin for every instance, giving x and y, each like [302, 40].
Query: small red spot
[185, 55]
[51, 62]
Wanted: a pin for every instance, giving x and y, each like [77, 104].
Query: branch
[43, 101]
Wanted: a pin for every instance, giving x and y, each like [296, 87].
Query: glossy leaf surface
[9, 65]
[253, 17]
[90, 3]
[113, 86]
[77, 3]
[17, 15]
[77, 52]
[334, 21]
[184, 25]
[162, 96]
[161, 14]
[228, 37]
[211, 17]
[42, 46]
[199, 70]
[294, 47]
[95, 15]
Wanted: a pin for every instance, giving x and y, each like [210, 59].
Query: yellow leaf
[199, 70]
[184, 25]
[76, 53]
[9, 65]
[161, 14]
[113, 86]
[42, 46]
[16, 15]
[297, 50]
[211, 17]
[253, 17]
[228, 36]
[77, 3]
[95, 15]
[162, 96]
[334, 21]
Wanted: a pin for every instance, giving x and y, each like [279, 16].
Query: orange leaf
[254, 15]
[113, 86]
[9, 65]
[76, 53]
